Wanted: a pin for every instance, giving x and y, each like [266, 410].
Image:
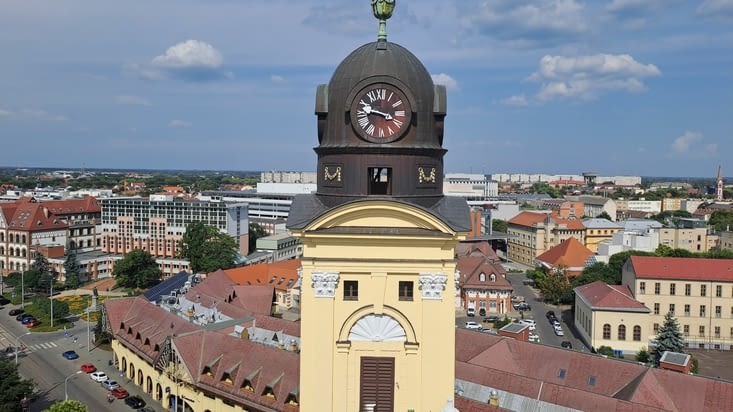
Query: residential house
[482, 280]
[569, 257]
[532, 233]
[598, 230]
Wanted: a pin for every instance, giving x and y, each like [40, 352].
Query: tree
[12, 387]
[606, 350]
[40, 263]
[721, 220]
[207, 248]
[498, 225]
[597, 271]
[71, 269]
[255, 232]
[137, 269]
[555, 286]
[70, 405]
[604, 215]
[102, 335]
[42, 304]
[643, 356]
[669, 338]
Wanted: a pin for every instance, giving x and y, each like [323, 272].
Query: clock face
[380, 113]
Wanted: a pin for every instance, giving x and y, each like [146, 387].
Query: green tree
[40, 263]
[255, 232]
[137, 269]
[498, 225]
[71, 270]
[721, 220]
[70, 405]
[102, 336]
[207, 248]
[606, 350]
[12, 387]
[555, 286]
[669, 338]
[597, 271]
[42, 304]
[643, 356]
[604, 215]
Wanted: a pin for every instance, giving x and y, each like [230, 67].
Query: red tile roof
[533, 371]
[470, 268]
[528, 218]
[673, 268]
[28, 215]
[232, 300]
[569, 254]
[281, 275]
[601, 296]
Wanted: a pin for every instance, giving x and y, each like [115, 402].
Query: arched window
[621, 332]
[22, 252]
[493, 277]
[606, 331]
[2, 237]
[2, 249]
[140, 378]
[637, 333]
[482, 277]
[23, 237]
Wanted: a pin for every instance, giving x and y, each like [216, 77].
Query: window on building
[655, 328]
[718, 291]
[380, 180]
[702, 311]
[351, 290]
[642, 288]
[606, 331]
[621, 332]
[637, 333]
[701, 331]
[703, 290]
[482, 277]
[688, 289]
[718, 311]
[672, 288]
[687, 310]
[686, 330]
[405, 290]
[671, 308]
[656, 308]
[657, 288]
[717, 332]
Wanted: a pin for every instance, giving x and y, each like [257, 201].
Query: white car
[473, 325]
[559, 332]
[98, 376]
[529, 322]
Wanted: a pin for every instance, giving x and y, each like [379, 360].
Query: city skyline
[620, 87]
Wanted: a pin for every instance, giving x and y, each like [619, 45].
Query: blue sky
[617, 87]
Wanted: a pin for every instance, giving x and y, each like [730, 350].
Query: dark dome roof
[392, 62]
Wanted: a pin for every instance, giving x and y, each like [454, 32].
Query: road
[41, 361]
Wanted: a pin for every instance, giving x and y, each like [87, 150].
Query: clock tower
[378, 282]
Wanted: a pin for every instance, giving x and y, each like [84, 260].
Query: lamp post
[17, 346]
[89, 319]
[66, 385]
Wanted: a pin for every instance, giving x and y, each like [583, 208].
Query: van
[471, 312]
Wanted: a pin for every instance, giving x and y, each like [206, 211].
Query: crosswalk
[41, 346]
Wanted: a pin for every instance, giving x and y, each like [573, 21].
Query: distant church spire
[719, 184]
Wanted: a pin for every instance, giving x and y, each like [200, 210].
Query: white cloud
[517, 100]
[587, 77]
[446, 80]
[34, 114]
[191, 60]
[687, 142]
[277, 79]
[638, 6]
[190, 53]
[179, 123]
[134, 100]
[528, 22]
[716, 8]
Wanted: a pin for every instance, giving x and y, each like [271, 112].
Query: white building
[469, 186]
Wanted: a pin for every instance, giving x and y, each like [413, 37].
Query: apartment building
[599, 230]
[157, 225]
[469, 186]
[595, 205]
[698, 292]
[28, 224]
[689, 234]
[533, 233]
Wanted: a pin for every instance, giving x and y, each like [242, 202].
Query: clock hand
[385, 115]
[367, 109]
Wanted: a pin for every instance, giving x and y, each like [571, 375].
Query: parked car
[522, 307]
[529, 322]
[550, 314]
[99, 376]
[110, 384]
[533, 337]
[15, 312]
[473, 325]
[566, 344]
[33, 322]
[88, 368]
[120, 392]
[482, 312]
[3, 300]
[22, 316]
[70, 355]
[471, 312]
[27, 319]
[559, 332]
[135, 402]
[491, 319]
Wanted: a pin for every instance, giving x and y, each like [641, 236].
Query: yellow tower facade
[378, 283]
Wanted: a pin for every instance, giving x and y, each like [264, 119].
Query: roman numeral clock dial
[380, 113]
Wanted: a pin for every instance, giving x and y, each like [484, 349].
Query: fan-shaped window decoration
[377, 328]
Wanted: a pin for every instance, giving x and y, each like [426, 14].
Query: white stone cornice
[324, 284]
[432, 285]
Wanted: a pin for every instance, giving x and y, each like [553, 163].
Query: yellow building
[533, 233]
[698, 292]
[689, 234]
[379, 237]
[608, 315]
[598, 230]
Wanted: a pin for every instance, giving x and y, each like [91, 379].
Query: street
[56, 376]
